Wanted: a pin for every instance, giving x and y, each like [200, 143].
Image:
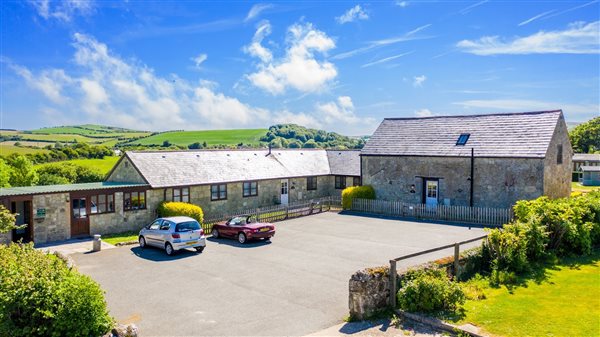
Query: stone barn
[488, 160]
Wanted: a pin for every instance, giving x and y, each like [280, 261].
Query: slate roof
[47, 189]
[590, 168]
[180, 168]
[524, 134]
[586, 157]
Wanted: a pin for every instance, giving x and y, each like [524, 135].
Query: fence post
[456, 257]
[393, 283]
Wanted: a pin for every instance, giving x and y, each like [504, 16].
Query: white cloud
[419, 80]
[386, 59]
[62, 10]
[468, 9]
[105, 88]
[353, 14]
[530, 20]
[256, 48]
[424, 113]
[304, 119]
[402, 3]
[340, 114]
[256, 10]
[299, 68]
[198, 60]
[385, 42]
[578, 38]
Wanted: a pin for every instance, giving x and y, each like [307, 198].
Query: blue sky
[341, 66]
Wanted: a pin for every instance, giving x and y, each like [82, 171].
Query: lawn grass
[102, 165]
[113, 239]
[211, 137]
[577, 187]
[563, 300]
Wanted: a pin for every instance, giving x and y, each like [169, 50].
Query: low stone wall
[369, 292]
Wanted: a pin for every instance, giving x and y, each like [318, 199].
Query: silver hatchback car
[173, 234]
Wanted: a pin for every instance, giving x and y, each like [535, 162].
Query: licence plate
[191, 242]
[264, 229]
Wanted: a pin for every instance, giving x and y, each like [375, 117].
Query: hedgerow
[41, 296]
[172, 208]
[356, 192]
[429, 290]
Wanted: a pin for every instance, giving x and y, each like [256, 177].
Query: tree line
[585, 137]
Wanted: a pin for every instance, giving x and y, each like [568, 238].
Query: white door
[431, 192]
[284, 192]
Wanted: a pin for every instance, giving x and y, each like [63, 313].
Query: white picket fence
[463, 214]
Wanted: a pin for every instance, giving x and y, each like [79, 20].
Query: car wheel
[169, 249]
[215, 233]
[142, 242]
[199, 249]
[242, 238]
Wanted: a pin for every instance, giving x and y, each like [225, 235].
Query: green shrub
[360, 192]
[41, 296]
[429, 290]
[171, 208]
[507, 249]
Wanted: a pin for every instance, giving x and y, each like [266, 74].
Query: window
[187, 226]
[102, 203]
[340, 182]
[134, 200]
[250, 189]
[311, 183]
[462, 139]
[165, 226]
[218, 192]
[559, 154]
[181, 194]
[356, 181]
[155, 225]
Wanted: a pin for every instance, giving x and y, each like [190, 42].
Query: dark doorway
[80, 221]
[24, 218]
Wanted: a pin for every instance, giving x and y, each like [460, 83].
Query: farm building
[218, 181]
[583, 159]
[590, 175]
[477, 160]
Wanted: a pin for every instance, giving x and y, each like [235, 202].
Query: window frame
[130, 207]
[109, 198]
[464, 136]
[219, 192]
[356, 181]
[559, 154]
[181, 195]
[309, 185]
[249, 189]
[342, 182]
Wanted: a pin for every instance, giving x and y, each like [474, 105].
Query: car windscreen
[187, 226]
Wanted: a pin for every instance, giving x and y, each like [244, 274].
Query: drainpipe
[472, 178]
[269, 150]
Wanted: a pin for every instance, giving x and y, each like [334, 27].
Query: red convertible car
[243, 228]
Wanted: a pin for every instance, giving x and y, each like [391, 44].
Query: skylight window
[463, 138]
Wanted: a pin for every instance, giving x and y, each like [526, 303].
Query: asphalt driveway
[295, 285]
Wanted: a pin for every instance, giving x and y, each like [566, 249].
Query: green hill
[211, 137]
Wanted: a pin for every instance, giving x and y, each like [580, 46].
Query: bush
[361, 192]
[41, 296]
[171, 208]
[429, 290]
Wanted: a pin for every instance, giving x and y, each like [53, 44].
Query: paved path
[72, 246]
[294, 286]
[379, 328]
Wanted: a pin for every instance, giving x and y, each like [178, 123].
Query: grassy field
[564, 301]
[103, 165]
[86, 129]
[211, 137]
[7, 148]
[577, 187]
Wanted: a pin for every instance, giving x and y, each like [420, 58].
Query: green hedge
[543, 227]
[360, 192]
[41, 296]
[429, 290]
[171, 208]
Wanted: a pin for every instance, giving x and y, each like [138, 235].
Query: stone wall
[557, 177]
[5, 238]
[121, 220]
[125, 172]
[369, 292]
[498, 183]
[56, 225]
